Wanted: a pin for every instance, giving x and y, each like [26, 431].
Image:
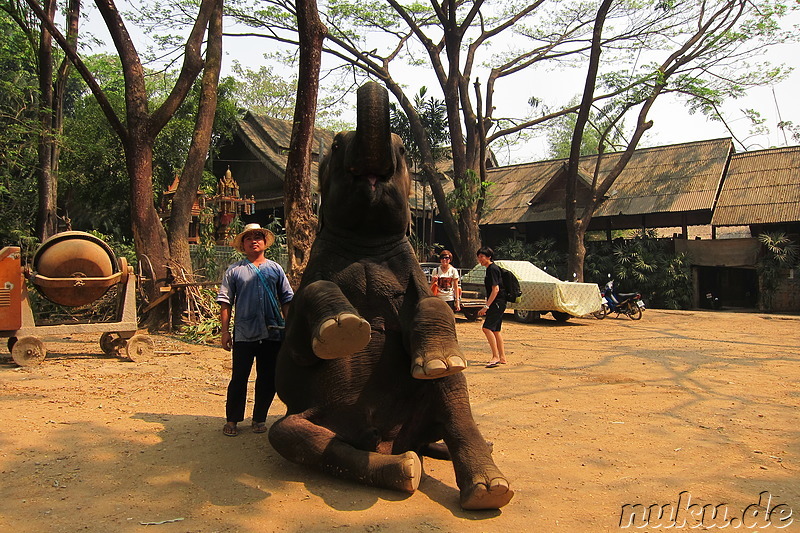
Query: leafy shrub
[780, 253]
[644, 264]
[542, 253]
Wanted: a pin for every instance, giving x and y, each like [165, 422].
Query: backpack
[511, 285]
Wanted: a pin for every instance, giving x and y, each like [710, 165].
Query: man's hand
[227, 342]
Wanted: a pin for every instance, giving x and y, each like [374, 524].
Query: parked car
[541, 293]
[428, 268]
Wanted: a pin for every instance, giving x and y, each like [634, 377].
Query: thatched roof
[761, 187]
[268, 140]
[666, 179]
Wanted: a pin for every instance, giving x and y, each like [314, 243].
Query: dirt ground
[588, 416]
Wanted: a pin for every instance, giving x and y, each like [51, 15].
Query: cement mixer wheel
[28, 351]
[140, 348]
[11, 342]
[111, 343]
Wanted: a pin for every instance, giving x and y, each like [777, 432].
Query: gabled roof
[664, 179]
[761, 187]
[557, 179]
[268, 139]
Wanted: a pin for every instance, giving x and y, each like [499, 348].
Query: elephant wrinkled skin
[371, 370]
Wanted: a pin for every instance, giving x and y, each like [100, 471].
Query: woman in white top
[446, 277]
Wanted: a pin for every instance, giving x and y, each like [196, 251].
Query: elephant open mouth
[374, 181]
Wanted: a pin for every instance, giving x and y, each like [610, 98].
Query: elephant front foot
[434, 345]
[437, 367]
[492, 495]
[341, 336]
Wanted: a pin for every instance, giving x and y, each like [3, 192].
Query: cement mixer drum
[73, 255]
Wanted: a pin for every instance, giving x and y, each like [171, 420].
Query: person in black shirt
[495, 307]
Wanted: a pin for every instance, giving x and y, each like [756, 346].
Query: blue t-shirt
[242, 288]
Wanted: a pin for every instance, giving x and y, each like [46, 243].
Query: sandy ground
[588, 416]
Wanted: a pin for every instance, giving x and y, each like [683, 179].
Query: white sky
[672, 123]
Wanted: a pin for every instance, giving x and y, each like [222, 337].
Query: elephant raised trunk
[371, 153]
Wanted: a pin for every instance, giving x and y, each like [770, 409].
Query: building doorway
[728, 287]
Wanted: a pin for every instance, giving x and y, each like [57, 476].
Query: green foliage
[94, 188]
[19, 133]
[264, 92]
[780, 254]
[433, 115]
[560, 131]
[644, 264]
[467, 191]
[121, 247]
[542, 253]
[207, 329]
[172, 144]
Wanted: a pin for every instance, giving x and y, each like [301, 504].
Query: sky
[672, 122]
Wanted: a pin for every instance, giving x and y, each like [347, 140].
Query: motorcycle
[629, 304]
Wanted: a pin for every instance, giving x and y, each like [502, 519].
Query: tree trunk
[470, 239]
[300, 219]
[149, 235]
[428, 165]
[139, 129]
[576, 228]
[46, 220]
[185, 196]
[576, 253]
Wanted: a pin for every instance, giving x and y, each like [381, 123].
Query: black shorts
[494, 315]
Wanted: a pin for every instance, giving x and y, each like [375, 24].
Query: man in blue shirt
[257, 289]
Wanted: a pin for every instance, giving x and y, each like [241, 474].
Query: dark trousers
[265, 354]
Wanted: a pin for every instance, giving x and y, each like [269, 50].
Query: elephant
[370, 368]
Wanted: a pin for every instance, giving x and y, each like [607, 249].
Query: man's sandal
[230, 429]
[259, 427]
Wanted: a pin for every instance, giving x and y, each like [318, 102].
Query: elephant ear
[371, 152]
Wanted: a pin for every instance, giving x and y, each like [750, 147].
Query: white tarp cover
[543, 292]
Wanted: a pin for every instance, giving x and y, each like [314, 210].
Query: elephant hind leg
[303, 442]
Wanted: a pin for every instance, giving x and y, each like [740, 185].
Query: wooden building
[257, 158]
[664, 186]
[679, 186]
[702, 184]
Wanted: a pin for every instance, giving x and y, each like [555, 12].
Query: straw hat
[269, 237]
